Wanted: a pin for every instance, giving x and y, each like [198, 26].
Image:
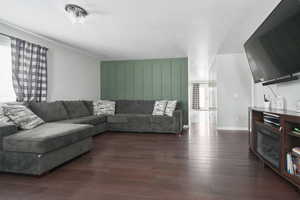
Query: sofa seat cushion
[119, 118]
[47, 137]
[92, 120]
[142, 123]
[163, 123]
[130, 122]
[125, 118]
[6, 130]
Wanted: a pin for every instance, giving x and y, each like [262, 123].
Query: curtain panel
[29, 70]
[196, 96]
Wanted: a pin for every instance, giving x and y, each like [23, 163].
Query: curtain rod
[6, 35]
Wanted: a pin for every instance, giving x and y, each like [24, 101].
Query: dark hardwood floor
[200, 165]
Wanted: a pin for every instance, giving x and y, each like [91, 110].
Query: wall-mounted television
[273, 51]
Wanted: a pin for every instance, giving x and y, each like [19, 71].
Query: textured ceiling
[138, 29]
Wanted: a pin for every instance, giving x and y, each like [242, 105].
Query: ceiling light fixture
[76, 13]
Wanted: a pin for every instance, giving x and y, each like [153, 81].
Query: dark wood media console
[272, 143]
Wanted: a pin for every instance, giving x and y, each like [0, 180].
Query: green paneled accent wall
[153, 79]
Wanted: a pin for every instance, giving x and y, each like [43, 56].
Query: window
[7, 93]
[200, 99]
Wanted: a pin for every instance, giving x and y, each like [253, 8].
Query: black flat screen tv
[273, 51]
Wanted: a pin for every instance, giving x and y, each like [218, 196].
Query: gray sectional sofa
[68, 132]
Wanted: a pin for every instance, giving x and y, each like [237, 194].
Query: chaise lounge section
[43, 148]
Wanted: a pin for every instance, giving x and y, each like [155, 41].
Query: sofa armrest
[178, 115]
[6, 130]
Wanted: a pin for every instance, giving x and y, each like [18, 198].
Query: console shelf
[272, 144]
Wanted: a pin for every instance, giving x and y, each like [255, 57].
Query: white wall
[289, 90]
[71, 74]
[213, 89]
[201, 56]
[234, 43]
[234, 76]
[197, 71]
[246, 25]
[233, 91]
[234, 81]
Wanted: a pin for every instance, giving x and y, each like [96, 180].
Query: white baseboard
[232, 128]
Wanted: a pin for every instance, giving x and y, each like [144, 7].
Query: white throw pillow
[23, 117]
[159, 107]
[4, 120]
[171, 106]
[104, 107]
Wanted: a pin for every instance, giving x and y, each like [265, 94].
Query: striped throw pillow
[4, 120]
[170, 108]
[104, 107]
[23, 117]
[159, 107]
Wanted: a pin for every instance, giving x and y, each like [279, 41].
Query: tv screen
[273, 51]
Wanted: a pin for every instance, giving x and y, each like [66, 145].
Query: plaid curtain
[29, 69]
[196, 96]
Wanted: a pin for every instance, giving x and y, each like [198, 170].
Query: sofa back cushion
[90, 106]
[76, 109]
[49, 111]
[134, 106]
